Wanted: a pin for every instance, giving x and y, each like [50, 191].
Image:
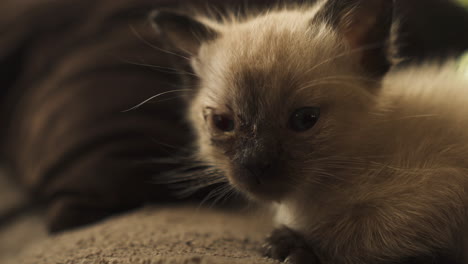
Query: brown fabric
[157, 235]
[69, 69]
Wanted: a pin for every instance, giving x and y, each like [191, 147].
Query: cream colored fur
[402, 174]
[383, 173]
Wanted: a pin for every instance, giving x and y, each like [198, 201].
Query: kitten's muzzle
[255, 168]
[255, 164]
[258, 170]
[259, 179]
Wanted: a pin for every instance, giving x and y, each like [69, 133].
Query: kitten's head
[274, 92]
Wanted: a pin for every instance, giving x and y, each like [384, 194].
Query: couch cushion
[156, 235]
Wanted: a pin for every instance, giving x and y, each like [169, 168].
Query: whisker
[197, 183]
[230, 195]
[224, 195]
[186, 192]
[315, 84]
[418, 116]
[179, 148]
[339, 79]
[158, 68]
[219, 191]
[187, 179]
[154, 97]
[138, 35]
[183, 174]
[342, 77]
[343, 54]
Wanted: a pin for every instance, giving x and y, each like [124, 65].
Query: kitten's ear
[183, 32]
[366, 25]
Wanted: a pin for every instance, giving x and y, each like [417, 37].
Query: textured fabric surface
[153, 235]
[157, 236]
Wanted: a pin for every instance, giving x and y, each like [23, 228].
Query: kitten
[296, 109]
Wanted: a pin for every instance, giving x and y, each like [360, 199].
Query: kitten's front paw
[285, 245]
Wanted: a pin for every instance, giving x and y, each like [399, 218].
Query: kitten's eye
[223, 123]
[304, 119]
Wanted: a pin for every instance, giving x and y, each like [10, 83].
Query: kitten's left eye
[304, 119]
[223, 123]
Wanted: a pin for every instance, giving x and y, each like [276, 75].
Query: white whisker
[138, 35]
[154, 97]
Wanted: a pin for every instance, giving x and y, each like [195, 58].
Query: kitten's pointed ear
[366, 25]
[183, 32]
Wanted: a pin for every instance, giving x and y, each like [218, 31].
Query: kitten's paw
[285, 245]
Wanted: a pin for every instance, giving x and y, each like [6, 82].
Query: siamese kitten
[296, 109]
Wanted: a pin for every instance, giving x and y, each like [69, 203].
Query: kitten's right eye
[223, 123]
[304, 118]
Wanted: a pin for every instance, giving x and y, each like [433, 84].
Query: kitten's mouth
[263, 187]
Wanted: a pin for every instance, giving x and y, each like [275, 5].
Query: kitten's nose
[258, 169]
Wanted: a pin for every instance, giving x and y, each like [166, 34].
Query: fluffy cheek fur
[205, 152]
[314, 158]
